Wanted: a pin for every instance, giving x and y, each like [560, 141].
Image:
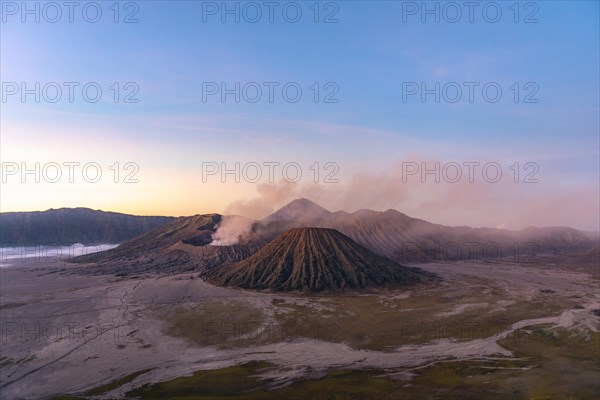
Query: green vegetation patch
[567, 362]
[233, 323]
[241, 382]
[115, 384]
[449, 380]
[384, 322]
[214, 384]
[97, 391]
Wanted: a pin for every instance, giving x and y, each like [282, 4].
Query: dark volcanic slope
[182, 245]
[314, 259]
[66, 226]
[592, 256]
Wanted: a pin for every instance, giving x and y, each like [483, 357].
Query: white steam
[230, 230]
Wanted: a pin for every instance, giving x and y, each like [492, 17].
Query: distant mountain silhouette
[66, 226]
[314, 259]
[405, 239]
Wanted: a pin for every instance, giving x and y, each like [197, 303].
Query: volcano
[298, 210]
[182, 245]
[404, 239]
[315, 259]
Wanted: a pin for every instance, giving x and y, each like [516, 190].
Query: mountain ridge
[403, 239]
[66, 226]
[188, 243]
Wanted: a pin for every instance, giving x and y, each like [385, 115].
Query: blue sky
[368, 55]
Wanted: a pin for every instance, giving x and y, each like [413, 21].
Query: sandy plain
[66, 334]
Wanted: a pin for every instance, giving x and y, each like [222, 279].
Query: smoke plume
[512, 205]
[230, 230]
